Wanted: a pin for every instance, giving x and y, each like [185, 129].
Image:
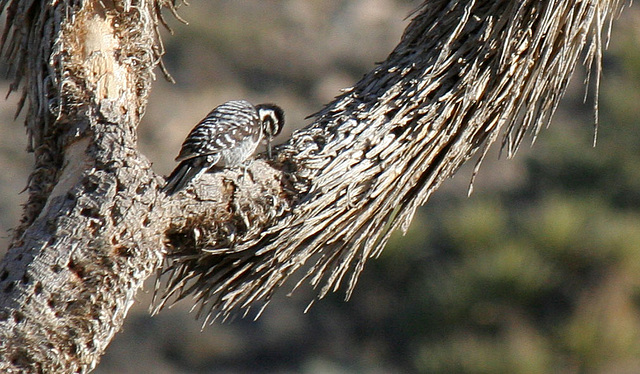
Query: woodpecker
[226, 137]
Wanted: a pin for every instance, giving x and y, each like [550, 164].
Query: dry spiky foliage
[94, 226]
[464, 73]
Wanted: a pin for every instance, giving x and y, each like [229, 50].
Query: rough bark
[86, 242]
[96, 224]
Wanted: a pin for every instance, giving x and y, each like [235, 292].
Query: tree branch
[464, 73]
[86, 242]
[96, 224]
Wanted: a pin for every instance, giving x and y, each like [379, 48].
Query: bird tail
[180, 176]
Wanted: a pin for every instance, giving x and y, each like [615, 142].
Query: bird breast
[236, 155]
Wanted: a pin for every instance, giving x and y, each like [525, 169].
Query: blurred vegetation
[536, 272]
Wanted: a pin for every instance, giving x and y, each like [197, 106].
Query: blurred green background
[537, 272]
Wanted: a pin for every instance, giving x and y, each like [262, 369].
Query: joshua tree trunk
[96, 225]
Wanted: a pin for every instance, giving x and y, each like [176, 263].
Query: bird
[226, 137]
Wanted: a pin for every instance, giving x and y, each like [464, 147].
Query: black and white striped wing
[231, 131]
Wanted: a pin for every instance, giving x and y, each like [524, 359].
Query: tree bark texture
[86, 242]
[96, 225]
